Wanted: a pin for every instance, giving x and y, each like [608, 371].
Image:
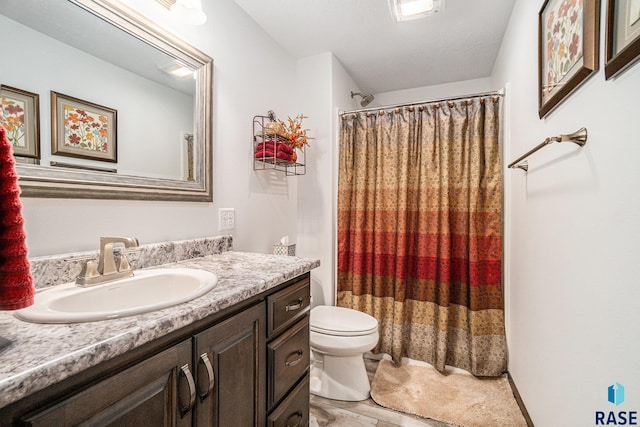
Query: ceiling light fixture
[177, 70]
[404, 10]
[189, 11]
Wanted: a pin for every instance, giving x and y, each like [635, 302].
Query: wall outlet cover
[226, 219]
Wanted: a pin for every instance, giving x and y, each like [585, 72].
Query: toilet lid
[341, 321]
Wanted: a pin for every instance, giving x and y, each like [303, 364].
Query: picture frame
[622, 45]
[20, 117]
[83, 129]
[82, 167]
[568, 51]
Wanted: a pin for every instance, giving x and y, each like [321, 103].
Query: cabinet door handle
[186, 372]
[293, 307]
[204, 359]
[299, 417]
[294, 362]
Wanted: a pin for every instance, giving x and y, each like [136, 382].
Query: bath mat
[456, 398]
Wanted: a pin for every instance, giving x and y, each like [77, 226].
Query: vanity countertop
[34, 356]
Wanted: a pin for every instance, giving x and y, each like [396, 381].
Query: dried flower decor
[294, 132]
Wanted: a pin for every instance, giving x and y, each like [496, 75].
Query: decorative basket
[280, 249]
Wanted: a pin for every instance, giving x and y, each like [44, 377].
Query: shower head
[366, 99]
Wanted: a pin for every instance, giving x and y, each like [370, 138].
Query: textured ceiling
[381, 55]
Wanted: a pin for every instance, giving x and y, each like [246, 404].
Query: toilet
[339, 338]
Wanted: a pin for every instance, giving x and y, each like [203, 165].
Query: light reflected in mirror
[112, 67]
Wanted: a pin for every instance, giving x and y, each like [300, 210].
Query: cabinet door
[234, 395]
[150, 393]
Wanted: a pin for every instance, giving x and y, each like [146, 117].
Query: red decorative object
[270, 148]
[16, 282]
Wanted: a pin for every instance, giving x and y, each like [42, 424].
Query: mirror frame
[49, 182]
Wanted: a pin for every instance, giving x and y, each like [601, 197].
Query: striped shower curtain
[420, 230]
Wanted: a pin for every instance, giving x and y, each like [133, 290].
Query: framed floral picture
[623, 36]
[83, 129]
[20, 114]
[568, 32]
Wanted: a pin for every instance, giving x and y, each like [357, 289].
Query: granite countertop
[34, 356]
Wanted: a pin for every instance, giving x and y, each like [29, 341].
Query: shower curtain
[420, 230]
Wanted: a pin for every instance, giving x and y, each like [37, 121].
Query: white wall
[314, 188]
[323, 89]
[251, 76]
[573, 228]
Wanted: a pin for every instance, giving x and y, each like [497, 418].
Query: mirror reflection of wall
[152, 118]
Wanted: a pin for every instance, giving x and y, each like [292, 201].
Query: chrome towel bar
[579, 137]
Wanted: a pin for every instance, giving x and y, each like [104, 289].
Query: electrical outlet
[226, 219]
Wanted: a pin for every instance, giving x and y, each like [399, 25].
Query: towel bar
[579, 137]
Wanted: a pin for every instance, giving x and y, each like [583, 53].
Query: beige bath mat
[456, 398]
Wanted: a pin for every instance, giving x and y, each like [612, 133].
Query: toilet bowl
[339, 338]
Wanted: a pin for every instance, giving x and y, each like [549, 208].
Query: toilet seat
[340, 321]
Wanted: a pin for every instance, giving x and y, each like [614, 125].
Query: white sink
[147, 290]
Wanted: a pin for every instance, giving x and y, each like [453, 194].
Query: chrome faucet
[107, 268]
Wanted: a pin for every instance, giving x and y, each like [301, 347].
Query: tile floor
[327, 412]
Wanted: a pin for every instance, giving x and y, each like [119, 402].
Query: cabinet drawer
[288, 359]
[294, 410]
[286, 306]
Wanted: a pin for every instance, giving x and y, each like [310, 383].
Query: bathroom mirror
[103, 59]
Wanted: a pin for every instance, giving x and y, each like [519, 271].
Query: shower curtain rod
[455, 98]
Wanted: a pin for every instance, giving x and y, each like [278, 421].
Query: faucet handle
[89, 271]
[123, 264]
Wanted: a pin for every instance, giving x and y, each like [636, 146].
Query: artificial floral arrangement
[293, 131]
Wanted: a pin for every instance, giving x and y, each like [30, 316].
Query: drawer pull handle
[299, 416]
[293, 307]
[204, 359]
[294, 362]
[186, 372]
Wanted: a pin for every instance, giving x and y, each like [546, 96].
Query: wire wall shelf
[273, 158]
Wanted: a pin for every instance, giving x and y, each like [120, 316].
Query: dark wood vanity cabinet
[149, 393]
[246, 366]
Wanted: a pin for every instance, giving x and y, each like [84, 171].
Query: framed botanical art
[83, 129]
[568, 32]
[623, 36]
[20, 114]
